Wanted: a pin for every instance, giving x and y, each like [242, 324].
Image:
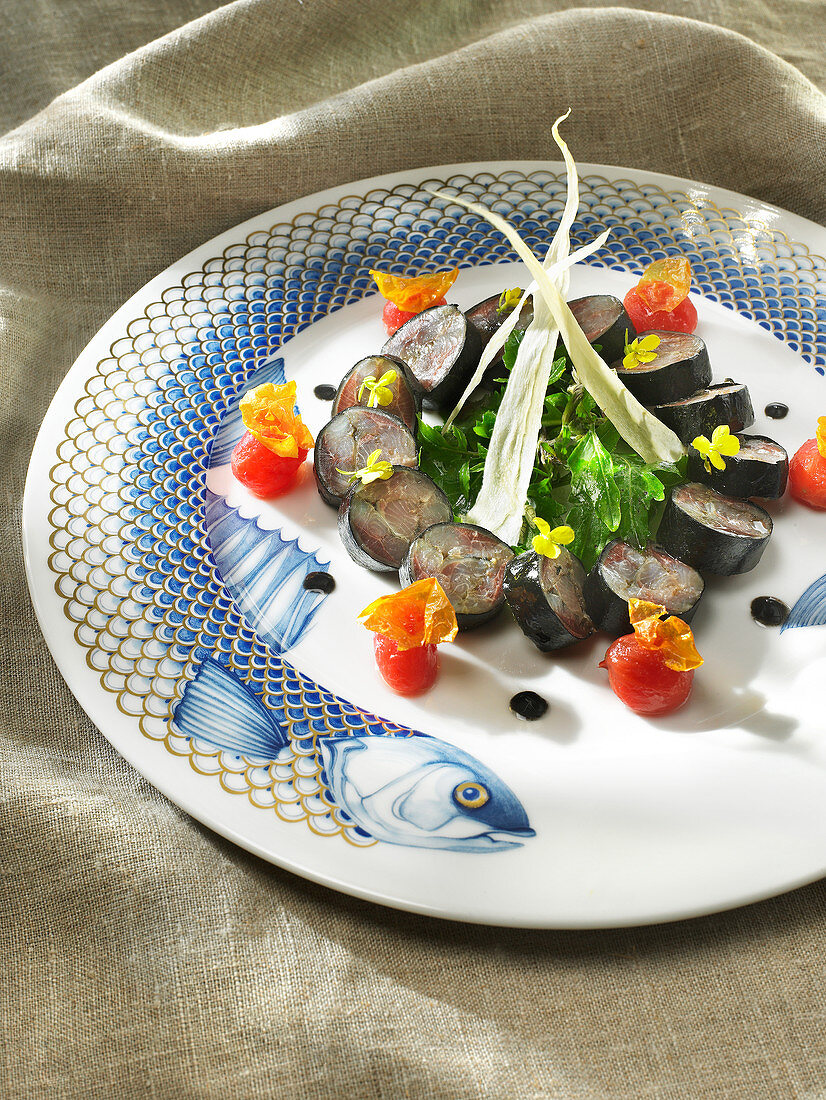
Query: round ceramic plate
[174, 603]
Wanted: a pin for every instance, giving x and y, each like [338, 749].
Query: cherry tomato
[642, 680]
[682, 318]
[264, 473]
[406, 671]
[807, 475]
[394, 317]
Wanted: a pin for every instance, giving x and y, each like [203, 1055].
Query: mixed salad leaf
[584, 473]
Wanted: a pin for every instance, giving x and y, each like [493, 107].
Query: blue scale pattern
[155, 606]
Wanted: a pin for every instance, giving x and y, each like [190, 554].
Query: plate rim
[95, 705]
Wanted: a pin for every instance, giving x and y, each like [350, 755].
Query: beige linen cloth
[143, 956]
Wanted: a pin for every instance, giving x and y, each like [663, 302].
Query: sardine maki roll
[728, 403]
[714, 533]
[546, 598]
[603, 319]
[680, 369]
[378, 521]
[347, 441]
[623, 572]
[759, 469]
[380, 381]
[442, 349]
[468, 562]
[487, 317]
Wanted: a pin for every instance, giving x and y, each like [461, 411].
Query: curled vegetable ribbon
[665, 283]
[268, 413]
[820, 435]
[379, 389]
[508, 300]
[416, 293]
[420, 614]
[673, 638]
[373, 471]
[548, 542]
[639, 351]
[722, 442]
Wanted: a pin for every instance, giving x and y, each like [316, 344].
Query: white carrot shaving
[510, 459]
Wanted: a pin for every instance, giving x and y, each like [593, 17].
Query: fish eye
[471, 795]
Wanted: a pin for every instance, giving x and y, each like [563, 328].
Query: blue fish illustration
[264, 573]
[810, 609]
[410, 790]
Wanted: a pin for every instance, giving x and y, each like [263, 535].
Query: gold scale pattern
[129, 553]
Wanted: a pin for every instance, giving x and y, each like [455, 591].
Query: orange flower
[673, 638]
[420, 614]
[665, 283]
[416, 293]
[269, 414]
[820, 435]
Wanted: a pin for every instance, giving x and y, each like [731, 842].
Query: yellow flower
[722, 442]
[548, 542]
[379, 390]
[820, 435]
[373, 471]
[508, 299]
[639, 351]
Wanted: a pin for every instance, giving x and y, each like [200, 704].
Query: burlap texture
[141, 955]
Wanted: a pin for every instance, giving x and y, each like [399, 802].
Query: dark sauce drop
[325, 392]
[319, 582]
[777, 410]
[528, 705]
[769, 611]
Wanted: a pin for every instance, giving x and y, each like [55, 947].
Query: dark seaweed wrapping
[526, 598]
[743, 476]
[710, 549]
[325, 490]
[403, 478]
[465, 357]
[609, 611]
[603, 319]
[671, 381]
[408, 574]
[486, 319]
[725, 404]
[405, 380]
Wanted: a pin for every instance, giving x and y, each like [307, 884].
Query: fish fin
[216, 706]
[264, 573]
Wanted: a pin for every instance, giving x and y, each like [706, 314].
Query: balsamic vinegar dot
[776, 410]
[769, 611]
[528, 705]
[325, 392]
[319, 582]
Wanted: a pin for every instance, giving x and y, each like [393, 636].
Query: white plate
[635, 821]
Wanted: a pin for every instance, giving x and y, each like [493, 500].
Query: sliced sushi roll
[389, 379]
[623, 571]
[546, 598]
[468, 562]
[759, 469]
[729, 403]
[714, 533]
[603, 319]
[486, 318]
[680, 369]
[347, 441]
[378, 521]
[442, 349]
